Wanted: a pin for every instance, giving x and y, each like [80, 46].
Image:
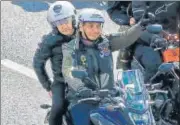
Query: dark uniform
[51, 48]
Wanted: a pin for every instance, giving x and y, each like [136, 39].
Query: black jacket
[165, 11]
[49, 48]
[162, 9]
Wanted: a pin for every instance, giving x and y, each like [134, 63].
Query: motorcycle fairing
[80, 113]
[103, 116]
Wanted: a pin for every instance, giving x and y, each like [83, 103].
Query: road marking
[19, 68]
[30, 72]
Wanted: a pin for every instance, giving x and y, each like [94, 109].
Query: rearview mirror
[154, 28]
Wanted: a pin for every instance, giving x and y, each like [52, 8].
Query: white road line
[19, 68]
[30, 72]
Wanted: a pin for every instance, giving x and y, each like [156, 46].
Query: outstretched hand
[147, 19]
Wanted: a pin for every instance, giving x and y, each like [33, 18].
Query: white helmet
[91, 15]
[60, 10]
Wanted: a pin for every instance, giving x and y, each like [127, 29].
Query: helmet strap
[86, 36]
[73, 21]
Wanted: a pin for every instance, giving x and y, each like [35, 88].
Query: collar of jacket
[65, 38]
[87, 43]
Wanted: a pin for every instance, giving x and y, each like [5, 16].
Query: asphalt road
[22, 26]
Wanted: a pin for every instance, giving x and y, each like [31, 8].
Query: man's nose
[96, 30]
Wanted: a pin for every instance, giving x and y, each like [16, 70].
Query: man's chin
[68, 33]
[93, 38]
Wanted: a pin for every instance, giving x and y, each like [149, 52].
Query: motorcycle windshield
[136, 97]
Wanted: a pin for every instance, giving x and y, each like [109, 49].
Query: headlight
[141, 119]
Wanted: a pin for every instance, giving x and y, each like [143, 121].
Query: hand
[47, 85]
[144, 22]
[148, 18]
[132, 21]
[50, 93]
[84, 92]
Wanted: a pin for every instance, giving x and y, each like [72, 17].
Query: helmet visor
[63, 21]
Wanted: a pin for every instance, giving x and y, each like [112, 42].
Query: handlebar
[89, 100]
[154, 86]
[158, 91]
[95, 96]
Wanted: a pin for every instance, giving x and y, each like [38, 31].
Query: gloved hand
[84, 92]
[144, 22]
[148, 18]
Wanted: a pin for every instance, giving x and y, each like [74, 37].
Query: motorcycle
[166, 108]
[108, 107]
[94, 107]
[169, 75]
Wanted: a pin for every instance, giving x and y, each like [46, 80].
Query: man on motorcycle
[55, 46]
[61, 16]
[93, 51]
[165, 13]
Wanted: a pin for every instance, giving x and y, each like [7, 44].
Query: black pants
[58, 104]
